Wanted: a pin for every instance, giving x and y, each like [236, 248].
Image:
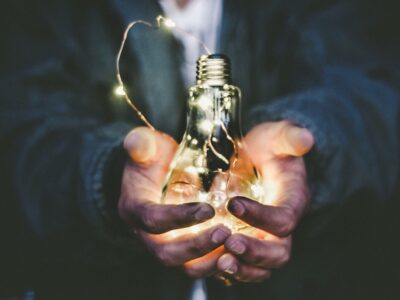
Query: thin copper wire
[222, 157]
[219, 155]
[119, 77]
[160, 20]
[235, 160]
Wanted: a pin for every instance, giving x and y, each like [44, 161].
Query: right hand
[276, 149]
[151, 153]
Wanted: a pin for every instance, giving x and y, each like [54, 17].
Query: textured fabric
[330, 66]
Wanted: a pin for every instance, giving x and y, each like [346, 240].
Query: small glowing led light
[195, 170]
[257, 190]
[203, 197]
[191, 170]
[214, 139]
[205, 102]
[206, 126]
[188, 137]
[169, 23]
[218, 199]
[194, 142]
[228, 104]
[119, 91]
[201, 170]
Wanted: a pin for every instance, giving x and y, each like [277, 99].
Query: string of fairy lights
[161, 22]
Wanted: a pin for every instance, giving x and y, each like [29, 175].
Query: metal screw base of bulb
[213, 70]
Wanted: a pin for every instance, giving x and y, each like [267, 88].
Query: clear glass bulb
[211, 164]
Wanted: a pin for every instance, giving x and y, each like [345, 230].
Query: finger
[267, 254]
[141, 144]
[187, 247]
[145, 146]
[278, 138]
[293, 140]
[278, 220]
[230, 265]
[151, 153]
[204, 266]
[160, 218]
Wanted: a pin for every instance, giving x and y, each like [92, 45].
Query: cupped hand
[276, 149]
[151, 153]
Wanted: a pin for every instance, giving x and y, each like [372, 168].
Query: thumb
[294, 141]
[141, 145]
[280, 138]
[145, 146]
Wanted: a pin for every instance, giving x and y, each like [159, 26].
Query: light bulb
[211, 164]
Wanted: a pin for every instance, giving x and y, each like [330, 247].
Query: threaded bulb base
[214, 70]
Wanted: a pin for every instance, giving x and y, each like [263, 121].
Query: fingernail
[232, 269]
[236, 207]
[204, 212]
[220, 235]
[237, 247]
[228, 265]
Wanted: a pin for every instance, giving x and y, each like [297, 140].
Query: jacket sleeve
[61, 152]
[344, 89]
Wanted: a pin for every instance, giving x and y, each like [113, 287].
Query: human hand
[151, 153]
[276, 150]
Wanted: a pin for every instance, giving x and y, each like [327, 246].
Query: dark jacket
[330, 66]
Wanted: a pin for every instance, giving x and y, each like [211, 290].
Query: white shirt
[201, 18]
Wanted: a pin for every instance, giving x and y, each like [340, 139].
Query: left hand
[276, 149]
[151, 153]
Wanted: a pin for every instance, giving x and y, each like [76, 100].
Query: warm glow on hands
[276, 149]
[151, 153]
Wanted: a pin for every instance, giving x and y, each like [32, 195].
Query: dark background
[365, 238]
